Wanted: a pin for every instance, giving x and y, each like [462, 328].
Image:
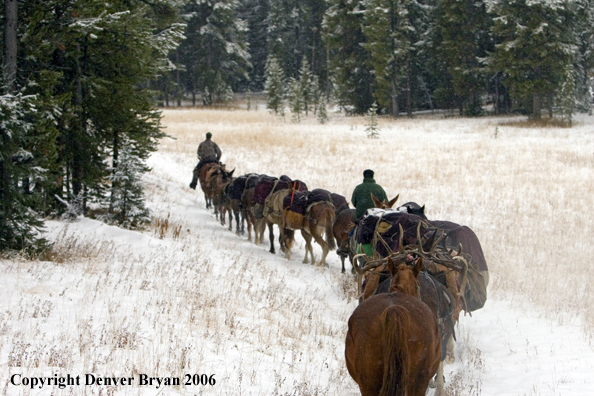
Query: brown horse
[218, 180]
[317, 224]
[205, 172]
[344, 222]
[443, 296]
[392, 344]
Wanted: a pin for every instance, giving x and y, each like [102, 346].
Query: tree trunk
[395, 109]
[536, 106]
[114, 165]
[10, 43]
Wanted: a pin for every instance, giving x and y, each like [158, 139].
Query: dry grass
[524, 187]
[193, 305]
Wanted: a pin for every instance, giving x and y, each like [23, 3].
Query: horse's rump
[293, 220]
[381, 354]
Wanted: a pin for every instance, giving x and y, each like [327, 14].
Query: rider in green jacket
[361, 198]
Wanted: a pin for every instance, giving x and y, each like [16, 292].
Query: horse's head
[404, 277]
[227, 176]
[384, 204]
[413, 208]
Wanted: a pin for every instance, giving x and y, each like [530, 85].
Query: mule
[392, 345]
[317, 225]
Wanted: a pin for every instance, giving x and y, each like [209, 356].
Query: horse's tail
[328, 212]
[396, 324]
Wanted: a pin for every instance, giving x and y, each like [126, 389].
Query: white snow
[118, 303]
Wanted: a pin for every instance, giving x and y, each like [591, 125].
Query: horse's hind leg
[450, 357]
[271, 237]
[318, 238]
[308, 247]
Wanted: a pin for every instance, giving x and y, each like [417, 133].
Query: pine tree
[255, 15]
[127, 206]
[295, 31]
[296, 99]
[351, 75]
[372, 128]
[388, 27]
[92, 87]
[321, 110]
[275, 86]
[215, 53]
[309, 85]
[536, 44]
[462, 38]
[19, 224]
[566, 97]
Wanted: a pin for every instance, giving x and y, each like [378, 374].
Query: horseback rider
[208, 151]
[361, 198]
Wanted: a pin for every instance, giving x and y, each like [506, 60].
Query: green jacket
[361, 198]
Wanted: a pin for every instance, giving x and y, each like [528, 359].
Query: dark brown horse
[344, 222]
[393, 346]
[252, 223]
[317, 225]
[218, 181]
[455, 235]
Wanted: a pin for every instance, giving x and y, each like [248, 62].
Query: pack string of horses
[414, 275]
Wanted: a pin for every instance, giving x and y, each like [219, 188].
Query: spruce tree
[127, 206]
[214, 54]
[536, 43]
[388, 27]
[462, 32]
[19, 224]
[372, 128]
[351, 75]
[275, 86]
[296, 99]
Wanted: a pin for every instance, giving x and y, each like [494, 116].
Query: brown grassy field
[525, 188]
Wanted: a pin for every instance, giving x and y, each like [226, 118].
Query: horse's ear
[231, 173]
[393, 201]
[376, 201]
[418, 267]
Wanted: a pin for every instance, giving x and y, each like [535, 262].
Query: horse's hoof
[342, 272]
[272, 251]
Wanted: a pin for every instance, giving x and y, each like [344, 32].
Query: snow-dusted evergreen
[127, 206]
[275, 86]
[19, 224]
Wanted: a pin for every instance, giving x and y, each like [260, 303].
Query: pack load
[296, 205]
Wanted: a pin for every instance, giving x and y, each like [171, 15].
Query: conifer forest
[83, 80]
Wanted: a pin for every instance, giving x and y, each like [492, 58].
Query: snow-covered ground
[189, 300]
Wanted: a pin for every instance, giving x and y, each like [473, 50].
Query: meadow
[186, 296]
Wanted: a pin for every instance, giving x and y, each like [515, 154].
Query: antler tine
[383, 241]
[400, 239]
[436, 241]
[374, 264]
[419, 239]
